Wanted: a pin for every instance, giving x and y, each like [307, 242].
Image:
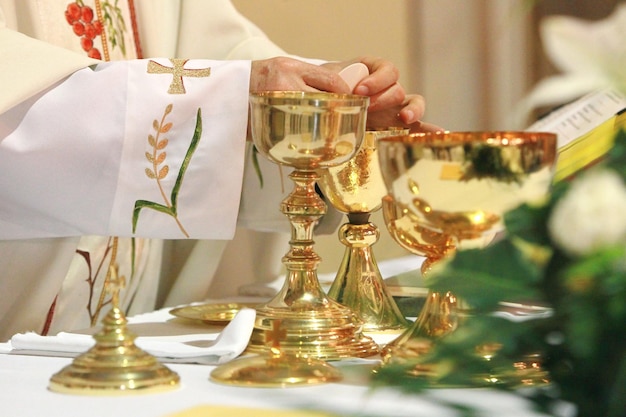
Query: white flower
[590, 55]
[591, 215]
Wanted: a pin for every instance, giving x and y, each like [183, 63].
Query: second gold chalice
[356, 188]
[449, 190]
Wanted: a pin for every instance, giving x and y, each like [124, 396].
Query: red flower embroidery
[81, 19]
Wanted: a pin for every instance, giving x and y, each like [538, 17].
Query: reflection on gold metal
[275, 368]
[211, 313]
[307, 131]
[114, 365]
[528, 371]
[406, 230]
[437, 318]
[448, 190]
[356, 188]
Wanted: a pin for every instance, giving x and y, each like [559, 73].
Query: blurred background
[472, 60]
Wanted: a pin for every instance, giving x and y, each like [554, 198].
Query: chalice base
[276, 370]
[359, 286]
[527, 372]
[439, 317]
[323, 330]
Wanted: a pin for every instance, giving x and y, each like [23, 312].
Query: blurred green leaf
[484, 277]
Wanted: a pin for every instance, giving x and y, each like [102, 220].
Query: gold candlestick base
[115, 365]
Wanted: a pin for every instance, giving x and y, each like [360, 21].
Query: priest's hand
[287, 74]
[390, 106]
[407, 114]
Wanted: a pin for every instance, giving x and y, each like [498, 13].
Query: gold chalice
[356, 188]
[449, 190]
[308, 132]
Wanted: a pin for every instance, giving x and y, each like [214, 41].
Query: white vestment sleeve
[103, 153]
[50, 64]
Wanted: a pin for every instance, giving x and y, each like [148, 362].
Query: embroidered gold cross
[178, 72]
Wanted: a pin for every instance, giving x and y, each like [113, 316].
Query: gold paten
[114, 365]
[308, 132]
[449, 189]
[356, 188]
[211, 313]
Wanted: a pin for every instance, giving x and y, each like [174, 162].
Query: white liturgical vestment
[123, 123]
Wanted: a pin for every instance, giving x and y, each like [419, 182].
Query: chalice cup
[449, 191]
[356, 188]
[307, 131]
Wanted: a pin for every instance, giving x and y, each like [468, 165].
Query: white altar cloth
[24, 381]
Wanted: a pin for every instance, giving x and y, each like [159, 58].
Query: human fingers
[383, 75]
[426, 127]
[407, 112]
[412, 113]
[391, 97]
[413, 109]
[408, 115]
[286, 74]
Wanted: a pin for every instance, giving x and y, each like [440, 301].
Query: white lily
[590, 55]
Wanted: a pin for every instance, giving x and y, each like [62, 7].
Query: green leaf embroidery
[158, 172]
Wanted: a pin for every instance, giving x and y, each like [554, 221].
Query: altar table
[24, 392]
[24, 381]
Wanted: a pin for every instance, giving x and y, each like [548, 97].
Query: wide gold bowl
[459, 184]
[308, 130]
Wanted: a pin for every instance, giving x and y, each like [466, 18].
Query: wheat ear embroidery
[158, 170]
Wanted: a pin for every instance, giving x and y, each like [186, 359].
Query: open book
[585, 128]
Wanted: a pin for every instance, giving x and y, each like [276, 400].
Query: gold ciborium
[356, 188]
[308, 132]
[449, 190]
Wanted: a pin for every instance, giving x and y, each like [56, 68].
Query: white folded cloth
[202, 348]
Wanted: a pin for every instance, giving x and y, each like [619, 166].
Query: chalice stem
[438, 317]
[303, 207]
[359, 284]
